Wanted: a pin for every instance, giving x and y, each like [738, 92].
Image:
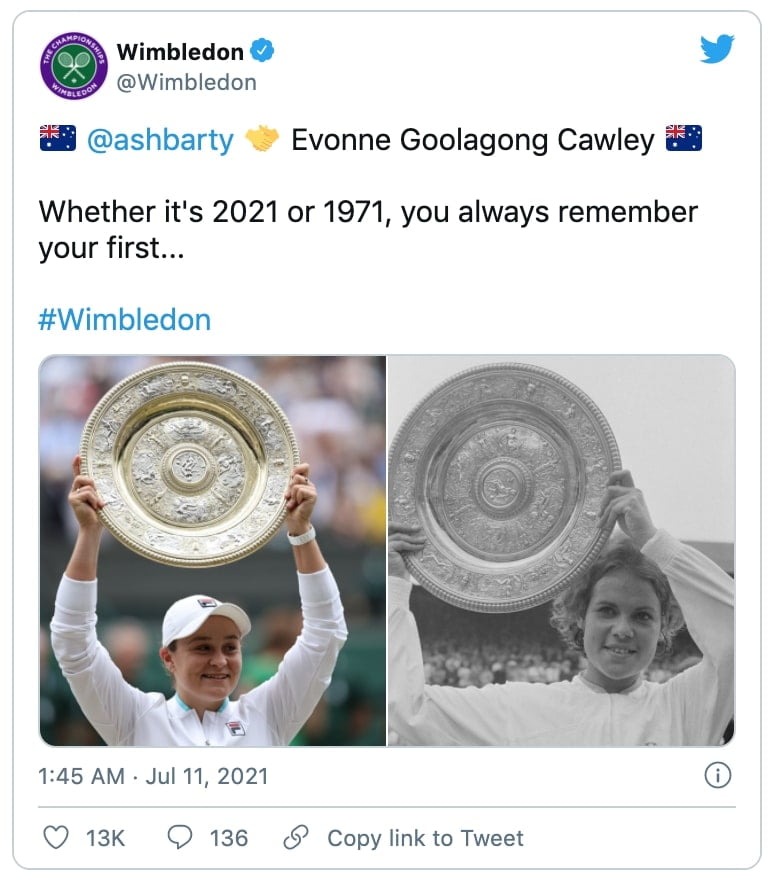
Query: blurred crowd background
[336, 406]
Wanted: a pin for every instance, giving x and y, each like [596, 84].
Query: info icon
[73, 66]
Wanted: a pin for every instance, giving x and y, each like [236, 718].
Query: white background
[656, 289]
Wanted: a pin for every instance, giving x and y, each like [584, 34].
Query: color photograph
[183, 501]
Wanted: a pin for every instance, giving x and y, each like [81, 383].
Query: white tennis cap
[190, 613]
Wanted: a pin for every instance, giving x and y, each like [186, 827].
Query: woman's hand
[86, 504]
[624, 503]
[84, 499]
[301, 497]
[403, 539]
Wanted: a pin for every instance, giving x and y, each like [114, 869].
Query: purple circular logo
[73, 66]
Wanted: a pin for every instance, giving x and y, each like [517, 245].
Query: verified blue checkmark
[262, 50]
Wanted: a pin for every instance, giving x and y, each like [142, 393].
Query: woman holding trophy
[201, 647]
[622, 615]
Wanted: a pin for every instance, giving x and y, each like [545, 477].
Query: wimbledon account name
[484, 143]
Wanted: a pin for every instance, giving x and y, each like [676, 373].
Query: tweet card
[284, 277]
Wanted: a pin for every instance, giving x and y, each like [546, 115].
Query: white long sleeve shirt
[692, 708]
[270, 714]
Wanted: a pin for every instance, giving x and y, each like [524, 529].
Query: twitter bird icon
[716, 51]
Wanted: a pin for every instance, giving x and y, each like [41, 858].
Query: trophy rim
[113, 524]
[439, 587]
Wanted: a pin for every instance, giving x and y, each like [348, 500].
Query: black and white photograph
[561, 550]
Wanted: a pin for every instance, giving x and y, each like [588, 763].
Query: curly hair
[570, 607]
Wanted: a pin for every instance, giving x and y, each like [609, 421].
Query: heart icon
[55, 836]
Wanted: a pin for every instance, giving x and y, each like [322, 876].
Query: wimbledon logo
[73, 66]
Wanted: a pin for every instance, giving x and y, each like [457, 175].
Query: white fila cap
[188, 614]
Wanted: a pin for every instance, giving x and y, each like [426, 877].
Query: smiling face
[622, 626]
[206, 665]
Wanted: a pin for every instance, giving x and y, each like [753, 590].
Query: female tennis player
[201, 647]
[632, 602]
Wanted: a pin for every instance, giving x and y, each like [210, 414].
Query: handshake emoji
[262, 138]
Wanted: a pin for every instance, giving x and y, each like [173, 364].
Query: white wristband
[304, 537]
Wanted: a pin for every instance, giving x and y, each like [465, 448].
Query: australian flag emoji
[684, 138]
[57, 138]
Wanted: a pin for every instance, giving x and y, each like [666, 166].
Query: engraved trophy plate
[503, 467]
[192, 461]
